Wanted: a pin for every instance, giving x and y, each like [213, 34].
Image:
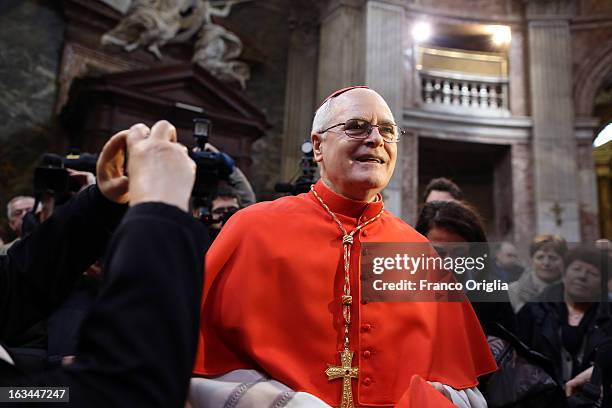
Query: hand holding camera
[159, 168]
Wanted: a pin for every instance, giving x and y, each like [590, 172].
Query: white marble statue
[153, 23]
[149, 24]
[217, 48]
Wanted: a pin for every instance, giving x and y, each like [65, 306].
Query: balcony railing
[464, 94]
[462, 82]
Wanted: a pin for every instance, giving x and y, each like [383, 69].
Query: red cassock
[271, 302]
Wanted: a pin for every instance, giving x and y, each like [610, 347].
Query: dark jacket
[138, 344]
[540, 325]
[39, 270]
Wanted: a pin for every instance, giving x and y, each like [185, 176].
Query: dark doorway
[484, 173]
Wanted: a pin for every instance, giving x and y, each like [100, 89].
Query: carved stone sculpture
[153, 23]
[217, 48]
[148, 23]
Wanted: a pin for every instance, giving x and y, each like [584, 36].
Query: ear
[317, 146]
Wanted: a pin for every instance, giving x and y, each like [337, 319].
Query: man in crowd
[231, 195]
[442, 189]
[138, 343]
[507, 266]
[16, 209]
[223, 206]
[282, 289]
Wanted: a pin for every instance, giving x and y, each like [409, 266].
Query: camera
[52, 174]
[204, 213]
[211, 167]
[307, 178]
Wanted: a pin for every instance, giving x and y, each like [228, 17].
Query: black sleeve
[39, 270]
[138, 344]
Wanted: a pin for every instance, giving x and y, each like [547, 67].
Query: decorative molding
[502, 130]
[461, 16]
[79, 60]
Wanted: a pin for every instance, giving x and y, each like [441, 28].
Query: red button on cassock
[365, 233]
[366, 328]
[367, 354]
[367, 381]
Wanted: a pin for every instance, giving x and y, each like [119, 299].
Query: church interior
[504, 97]
[499, 109]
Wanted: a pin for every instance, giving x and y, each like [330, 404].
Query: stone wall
[31, 37]
[266, 89]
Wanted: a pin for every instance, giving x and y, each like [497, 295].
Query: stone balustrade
[463, 94]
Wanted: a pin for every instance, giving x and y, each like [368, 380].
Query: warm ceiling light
[500, 35]
[604, 136]
[421, 31]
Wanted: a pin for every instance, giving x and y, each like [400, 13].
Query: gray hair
[322, 117]
[14, 200]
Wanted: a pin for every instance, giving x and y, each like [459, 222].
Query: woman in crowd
[453, 222]
[546, 252]
[566, 324]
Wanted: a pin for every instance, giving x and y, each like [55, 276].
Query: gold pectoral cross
[346, 372]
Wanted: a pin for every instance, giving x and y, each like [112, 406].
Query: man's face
[439, 195]
[582, 281]
[17, 211]
[507, 256]
[356, 169]
[221, 206]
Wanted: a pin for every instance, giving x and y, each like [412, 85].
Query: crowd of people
[557, 301]
[107, 296]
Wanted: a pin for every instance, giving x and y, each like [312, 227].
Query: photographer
[30, 347]
[230, 195]
[238, 182]
[223, 206]
[138, 343]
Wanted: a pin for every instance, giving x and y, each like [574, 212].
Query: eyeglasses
[360, 129]
[224, 210]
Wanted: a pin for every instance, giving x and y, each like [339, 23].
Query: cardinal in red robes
[282, 292]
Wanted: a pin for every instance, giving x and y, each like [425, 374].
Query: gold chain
[347, 241]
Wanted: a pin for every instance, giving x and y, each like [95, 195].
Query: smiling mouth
[370, 159]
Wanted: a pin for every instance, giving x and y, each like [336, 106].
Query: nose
[374, 138]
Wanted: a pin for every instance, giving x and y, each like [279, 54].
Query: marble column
[517, 73]
[587, 178]
[554, 146]
[341, 56]
[384, 70]
[300, 89]
[409, 148]
[522, 192]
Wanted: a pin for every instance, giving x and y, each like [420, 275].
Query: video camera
[208, 218]
[211, 167]
[52, 177]
[307, 178]
[52, 174]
